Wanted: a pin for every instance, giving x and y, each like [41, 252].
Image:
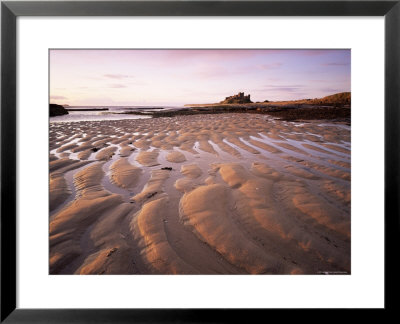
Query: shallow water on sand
[113, 113]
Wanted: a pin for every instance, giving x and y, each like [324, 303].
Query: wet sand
[203, 194]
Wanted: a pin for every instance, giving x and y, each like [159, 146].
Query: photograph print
[200, 161]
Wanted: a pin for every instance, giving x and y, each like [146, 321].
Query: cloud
[285, 87]
[316, 52]
[330, 90]
[270, 66]
[335, 64]
[177, 56]
[282, 92]
[212, 72]
[117, 76]
[218, 71]
[319, 80]
[58, 97]
[138, 83]
[116, 86]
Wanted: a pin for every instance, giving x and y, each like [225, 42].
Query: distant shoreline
[86, 109]
[336, 107]
[283, 112]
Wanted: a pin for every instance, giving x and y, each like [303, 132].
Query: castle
[240, 98]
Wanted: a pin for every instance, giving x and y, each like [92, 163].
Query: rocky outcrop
[240, 98]
[57, 110]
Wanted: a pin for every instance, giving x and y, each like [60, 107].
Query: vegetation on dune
[342, 98]
[337, 99]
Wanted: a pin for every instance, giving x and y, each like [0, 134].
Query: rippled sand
[205, 194]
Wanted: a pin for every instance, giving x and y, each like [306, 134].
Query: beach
[219, 193]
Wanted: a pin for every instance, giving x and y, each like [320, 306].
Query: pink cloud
[211, 72]
[58, 97]
[208, 55]
[336, 64]
[315, 52]
[270, 66]
[117, 86]
[117, 76]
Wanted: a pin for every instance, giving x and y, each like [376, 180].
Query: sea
[92, 113]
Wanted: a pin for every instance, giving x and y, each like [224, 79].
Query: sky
[178, 77]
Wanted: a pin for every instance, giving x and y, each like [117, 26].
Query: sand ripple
[124, 174]
[201, 194]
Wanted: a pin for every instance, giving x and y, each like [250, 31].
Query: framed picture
[199, 154]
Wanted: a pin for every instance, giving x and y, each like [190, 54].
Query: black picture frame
[10, 10]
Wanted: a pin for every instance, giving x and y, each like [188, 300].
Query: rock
[111, 251]
[150, 195]
[57, 110]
